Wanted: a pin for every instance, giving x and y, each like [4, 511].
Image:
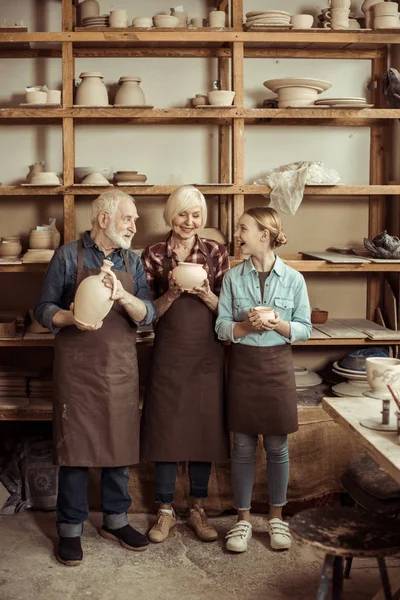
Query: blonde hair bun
[281, 239]
[269, 219]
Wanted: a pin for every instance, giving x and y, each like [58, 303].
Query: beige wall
[187, 154]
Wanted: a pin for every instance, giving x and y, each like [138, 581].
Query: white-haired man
[96, 400]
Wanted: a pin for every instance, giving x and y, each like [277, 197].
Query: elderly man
[96, 399]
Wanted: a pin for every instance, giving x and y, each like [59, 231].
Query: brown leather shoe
[199, 522]
[161, 528]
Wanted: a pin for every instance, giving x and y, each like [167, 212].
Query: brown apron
[96, 392]
[183, 413]
[262, 394]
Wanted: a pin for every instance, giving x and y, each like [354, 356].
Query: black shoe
[69, 551]
[127, 536]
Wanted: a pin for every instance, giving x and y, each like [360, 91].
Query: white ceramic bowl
[296, 96]
[46, 177]
[36, 97]
[222, 97]
[81, 172]
[95, 179]
[302, 21]
[165, 21]
[142, 22]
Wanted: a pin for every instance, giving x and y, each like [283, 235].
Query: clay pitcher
[37, 167]
[92, 301]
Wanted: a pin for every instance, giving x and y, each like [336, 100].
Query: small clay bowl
[319, 316]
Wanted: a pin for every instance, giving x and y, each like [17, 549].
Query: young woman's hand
[256, 321]
[174, 290]
[272, 324]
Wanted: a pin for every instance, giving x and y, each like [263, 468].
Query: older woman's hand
[174, 290]
[204, 292]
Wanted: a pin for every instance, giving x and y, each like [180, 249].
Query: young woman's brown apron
[262, 394]
[183, 413]
[96, 392]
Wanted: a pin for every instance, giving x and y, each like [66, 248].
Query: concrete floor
[182, 568]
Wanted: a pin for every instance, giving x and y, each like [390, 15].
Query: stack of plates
[37, 256]
[99, 21]
[344, 102]
[268, 19]
[356, 383]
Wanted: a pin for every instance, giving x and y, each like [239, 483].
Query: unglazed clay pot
[382, 372]
[266, 313]
[37, 167]
[130, 92]
[189, 275]
[88, 8]
[41, 239]
[92, 301]
[91, 91]
[10, 249]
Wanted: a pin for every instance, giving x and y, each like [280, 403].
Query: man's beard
[116, 238]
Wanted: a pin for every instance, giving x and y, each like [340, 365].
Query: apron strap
[80, 254]
[126, 263]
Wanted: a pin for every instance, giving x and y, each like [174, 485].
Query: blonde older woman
[183, 415]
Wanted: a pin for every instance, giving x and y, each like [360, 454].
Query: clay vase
[382, 372]
[266, 313]
[189, 275]
[37, 167]
[92, 301]
[130, 93]
[88, 8]
[11, 249]
[91, 91]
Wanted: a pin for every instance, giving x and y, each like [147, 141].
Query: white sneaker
[238, 536]
[280, 537]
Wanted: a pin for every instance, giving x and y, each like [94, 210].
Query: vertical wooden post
[68, 76]
[238, 129]
[224, 153]
[69, 218]
[376, 214]
[237, 15]
[67, 11]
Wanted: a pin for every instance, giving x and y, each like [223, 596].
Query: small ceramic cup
[53, 97]
[266, 313]
[302, 21]
[36, 97]
[118, 18]
[197, 22]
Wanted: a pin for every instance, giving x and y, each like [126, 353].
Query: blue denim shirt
[285, 291]
[59, 285]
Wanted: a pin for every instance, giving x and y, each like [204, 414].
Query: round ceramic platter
[276, 84]
[255, 13]
[350, 377]
[133, 105]
[39, 105]
[389, 28]
[126, 183]
[351, 371]
[343, 99]
[216, 106]
[40, 184]
[92, 106]
[255, 26]
[358, 106]
[94, 184]
[349, 389]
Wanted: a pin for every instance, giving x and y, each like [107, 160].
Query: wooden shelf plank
[349, 342]
[321, 266]
[25, 414]
[24, 268]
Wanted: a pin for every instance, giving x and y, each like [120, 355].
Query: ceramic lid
[91, 74]
[122, 79]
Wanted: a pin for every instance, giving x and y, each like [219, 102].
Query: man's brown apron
[96, 392]
[183, 413]
[262, 394]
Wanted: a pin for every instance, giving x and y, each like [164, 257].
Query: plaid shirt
[153, 259]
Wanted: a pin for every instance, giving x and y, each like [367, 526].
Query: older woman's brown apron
[262, 394]
[96, 393]
[183, 413]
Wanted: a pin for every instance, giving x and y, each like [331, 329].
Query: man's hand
[79, 325]
[120, 295]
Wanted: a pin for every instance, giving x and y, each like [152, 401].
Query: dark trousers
[72, 504]
[199, 474]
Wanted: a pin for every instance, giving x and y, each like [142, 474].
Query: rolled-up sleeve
[52, 291]
[142, 291]
[225, 324]
[300, 323]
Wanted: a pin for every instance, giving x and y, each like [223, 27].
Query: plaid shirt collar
[198, 247]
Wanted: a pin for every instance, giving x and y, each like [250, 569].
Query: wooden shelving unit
[230, 47]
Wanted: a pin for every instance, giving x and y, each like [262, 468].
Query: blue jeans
[242, 463]
[199, 474]
[72, 505]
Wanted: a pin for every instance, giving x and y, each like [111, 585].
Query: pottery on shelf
[382, 372]
[45, 178]
[95, 179]
[81, 172]
[118, 18]
[37, 167]
[92, 301]
[217, 18]
[266, 313]
[222, 97]
[36, 96]
[130, 92]
[189, 275]
[302, 21]
[41, 239]
[88, 9]
[297, 91]
[10, 249]
[91, 91]
[165, 21]
[143, 22]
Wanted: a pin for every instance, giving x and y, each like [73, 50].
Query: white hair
[108, 202]
[182, 199]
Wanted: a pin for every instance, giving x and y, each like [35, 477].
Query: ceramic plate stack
[305, 378]
[356, 382]
[297, 91]
[99, 21]
[129, 178]
[344, 102]
[267, 19]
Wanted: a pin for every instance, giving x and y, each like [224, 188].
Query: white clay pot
[386, 9]
[118, 18]
[386, 21]
[130, 92]
[296, 96]
[92, 301]
[92, 91]
[189, 275]
[41, 240]
[10, 249]
[266, 313]
[88, 8]
[217, 18]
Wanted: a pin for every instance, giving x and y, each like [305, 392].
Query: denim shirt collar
[278, 267]
[88, 242]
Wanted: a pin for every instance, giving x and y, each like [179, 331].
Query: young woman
[261, 385]
[183, 413]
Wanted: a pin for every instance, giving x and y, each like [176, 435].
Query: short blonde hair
[269, 219]
[185, 197]
[108, 202]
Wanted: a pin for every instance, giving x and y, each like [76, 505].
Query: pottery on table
[92, 301]
[350, 388]
[81, 172]
[118, 18]
[41, 240]
[189, 275]
[355, 360]
[45, 178]
[10, 249]
[221, 97]
[88, 9]
[143, 22]
[302, 21]
[382, 372]
[130, 92]
[217, 18]
[165, 21]
[37, 167]
[91, 91]
[318, 316]
[266, 313]
[37, 96]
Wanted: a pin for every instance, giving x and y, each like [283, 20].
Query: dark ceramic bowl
[355, 360]
[318, 315]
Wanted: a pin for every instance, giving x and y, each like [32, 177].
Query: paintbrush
[394, 395]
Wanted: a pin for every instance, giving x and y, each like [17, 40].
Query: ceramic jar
[37, 167]
[266, 313]
[118, 18]
[41, 239]
[10, 249]
[92, 301]
[130, 93]
[217, 18]
[88, 8]
[189, 275]
[91, 91]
